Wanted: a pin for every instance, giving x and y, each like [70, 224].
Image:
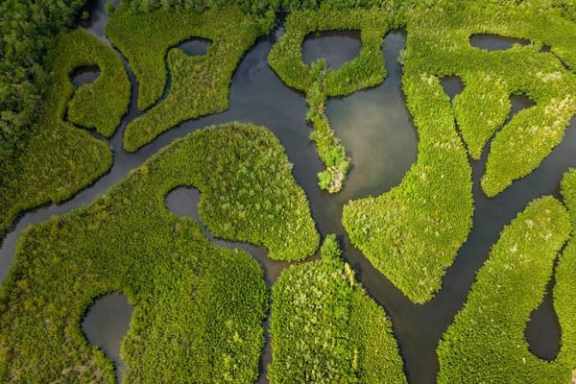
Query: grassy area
[319, 83]
[198, 308]
[439, 41]
[565, 287]
[486, 342]
[61, 159]
[99, 105]
[330, 148]
[412, 233]
[27, 31]
[325, 329]
[199, 85]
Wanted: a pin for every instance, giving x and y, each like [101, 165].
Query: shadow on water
[196, 46]
[84, 75]
[519, 102]
[336, 47]
[543, 331]
[491, 42]
[452, 85]
[380, 128]
[106, 323]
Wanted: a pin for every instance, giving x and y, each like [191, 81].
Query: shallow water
[195, 47]
[492, 42]
[106, 323]
[84, 75]
[336, 47]
[376, 130]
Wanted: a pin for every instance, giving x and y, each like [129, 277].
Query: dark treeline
[27, 30]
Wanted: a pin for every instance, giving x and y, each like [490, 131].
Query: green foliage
[413, 232]
[366, 70]
[101, 104]
[439, 45]
[261, 6]
[325, 329]
[248, 191]
[486, 343]
[147, 41]
[27, 31]
[330, 149]
[61, 159]
[318, 83]
[568, 188]
[198, 308]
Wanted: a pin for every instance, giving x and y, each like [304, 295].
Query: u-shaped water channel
[377, 131]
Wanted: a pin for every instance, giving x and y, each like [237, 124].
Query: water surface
[376, 130]
[106, 323]
[491, 42]
[336, 47]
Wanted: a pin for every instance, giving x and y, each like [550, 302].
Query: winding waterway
[377, 131]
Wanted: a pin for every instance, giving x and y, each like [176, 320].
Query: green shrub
[198, 308]
[27, 31]
[199, 84]
[61, 159]
[413, 232]
[325, 329]
[486, 342]
[318, 83]
[439, 44]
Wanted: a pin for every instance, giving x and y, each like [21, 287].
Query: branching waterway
[378, 133]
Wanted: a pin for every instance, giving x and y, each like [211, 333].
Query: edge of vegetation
[318, 82]
[325, 328]
[128, 241]
[61, 159]
[486, 341]
[148, 41]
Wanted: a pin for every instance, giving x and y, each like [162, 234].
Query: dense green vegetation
[412, 233]
[99, 105]
[27, 30]
[319, 83]
[199, 85]
[486, 343]
[60, 159]
[198, 308]
[325, 329]
[330, 149]
[261, 6]
[438, 42]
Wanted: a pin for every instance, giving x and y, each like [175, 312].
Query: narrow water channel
[377, 131]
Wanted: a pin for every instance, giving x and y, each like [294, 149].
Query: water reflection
[336, 47]
[452, 85]
[106, 323]
[543, 332]
[84, 75]
[195, 47]
[376, 130]
[183, 201]
[492, 42]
